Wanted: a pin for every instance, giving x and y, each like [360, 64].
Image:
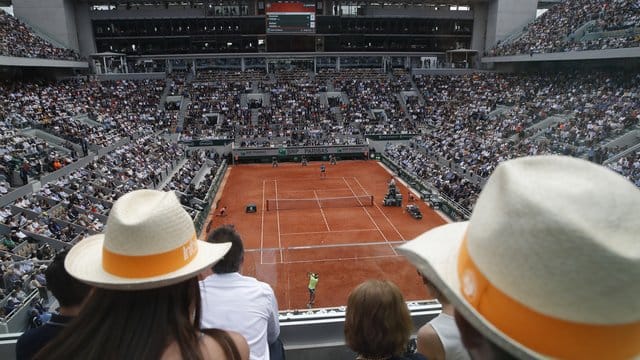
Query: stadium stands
[70, 147]
[629, 166]
[461, 127]
[605, 25]
[16, 39]
[121, 126]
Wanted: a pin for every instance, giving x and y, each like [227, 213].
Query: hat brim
[84, 262]
[435, 255]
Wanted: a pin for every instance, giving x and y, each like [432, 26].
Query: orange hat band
[542, 333]
[144, 266]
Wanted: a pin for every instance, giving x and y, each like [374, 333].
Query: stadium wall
[506, 17]
[41, 63]
[442, 12]
[86, 40]
[479, 34]
[131, 76]
[568, 56]
[56, 18]
[630, 64]
[148, 12]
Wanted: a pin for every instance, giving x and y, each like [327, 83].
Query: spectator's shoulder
[30, 342]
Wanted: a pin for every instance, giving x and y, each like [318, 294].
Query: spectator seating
[16, 39]
[556, 29]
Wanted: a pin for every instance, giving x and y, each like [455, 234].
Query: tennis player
[323, 171]
[313, 282]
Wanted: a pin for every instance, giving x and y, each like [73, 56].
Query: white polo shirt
[242, 304]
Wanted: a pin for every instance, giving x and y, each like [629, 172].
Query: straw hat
[150, 242]
[549, 263]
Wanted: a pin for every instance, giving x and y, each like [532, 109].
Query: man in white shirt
[239, 303]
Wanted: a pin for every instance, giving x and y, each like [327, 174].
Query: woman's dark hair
[233, 259]
[377, 322]
[68, 290]
[138, 324]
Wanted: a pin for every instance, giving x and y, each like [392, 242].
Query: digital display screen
[291, 18]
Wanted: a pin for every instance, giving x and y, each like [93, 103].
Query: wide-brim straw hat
[548, 266]
[150, 242]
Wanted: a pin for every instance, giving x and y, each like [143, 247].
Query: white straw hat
[549, 263]
[150, 242]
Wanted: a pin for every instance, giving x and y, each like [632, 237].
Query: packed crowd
[214, 110]
[20, 279]
[29, 156]
[16, 39]
[185, 177]
[443, 178]
[469, 135]
[470, 122]
[290, 112]
[71, 207]
[553, 31]
[86, 115]
[467, 125]
[629, 167]
[114, 108]
[76, 205]
[374, 105]
[597, 107]
[294, 113]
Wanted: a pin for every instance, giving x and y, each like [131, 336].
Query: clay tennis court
[346, 244]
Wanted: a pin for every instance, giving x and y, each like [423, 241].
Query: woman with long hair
[146, 301]
[377, 324]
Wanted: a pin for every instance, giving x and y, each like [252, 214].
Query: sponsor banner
[209, 142]
[292, 151]
[389, 137]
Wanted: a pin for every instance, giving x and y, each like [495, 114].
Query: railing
[581, 31]
[628, 32]
[213, 190]
[17, 319]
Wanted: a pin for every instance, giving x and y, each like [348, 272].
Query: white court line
[321, 211]
[262, 222]
[370, 217]
[288, 287]
[275, 181]
[337, 259]
[324, 232]
[382, 212]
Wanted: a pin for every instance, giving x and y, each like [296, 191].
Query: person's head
[546, 235]
[377, 322]
[144, 269]
[433, 290]
[69, 291]
[232, 261]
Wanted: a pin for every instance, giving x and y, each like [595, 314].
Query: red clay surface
[346, 246]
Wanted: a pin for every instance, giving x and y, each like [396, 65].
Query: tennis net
[319, 203]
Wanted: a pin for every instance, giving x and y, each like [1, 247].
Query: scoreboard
[288, 23]
[291, 18]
